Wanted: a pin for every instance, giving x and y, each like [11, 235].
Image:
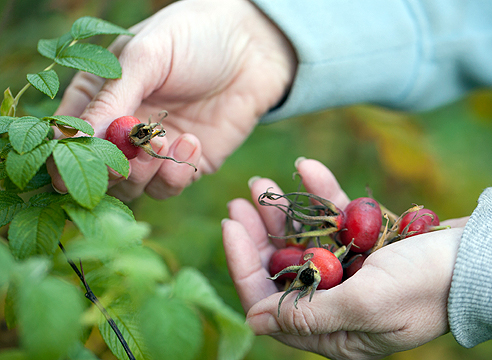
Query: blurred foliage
[440, 158]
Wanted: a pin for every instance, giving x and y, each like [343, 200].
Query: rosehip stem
[90, 295]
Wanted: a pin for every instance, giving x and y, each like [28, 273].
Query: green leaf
[11, 302]
[10, 204]
[47, 47]
[88, 26]
[128, 327]
[49, 317]
[93, 223]
[107, 152]
[236, 337]
[22, 168]
[171, 329]
[50, 48]
[90, 58]
[5, 122]
[13, 354]
[7, 102]
[27, 132]
[39, 180]
[6, 264]
[36, 230]
[45, 81]
[84, 174]
[73, 122]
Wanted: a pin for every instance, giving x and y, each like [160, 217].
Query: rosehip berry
[417, 222]
[283, 258]
[319, 268]
[326, 264]
[118, 132]
[355, 263]
[363, 220]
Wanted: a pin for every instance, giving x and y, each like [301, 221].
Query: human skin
[216, 66]
[396, 302]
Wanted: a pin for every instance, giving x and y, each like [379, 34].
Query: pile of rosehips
[305, 264]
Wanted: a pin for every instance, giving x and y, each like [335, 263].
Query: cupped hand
[215, 66]
[397, 301]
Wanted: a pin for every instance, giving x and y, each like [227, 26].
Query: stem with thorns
[90, 295]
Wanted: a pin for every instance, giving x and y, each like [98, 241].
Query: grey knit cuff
[470, 297]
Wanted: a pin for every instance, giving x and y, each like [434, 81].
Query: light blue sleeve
[404, 54]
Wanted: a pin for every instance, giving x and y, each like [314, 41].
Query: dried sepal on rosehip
[320, 219]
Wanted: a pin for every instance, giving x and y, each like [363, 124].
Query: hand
[397, 301]
[215, 66]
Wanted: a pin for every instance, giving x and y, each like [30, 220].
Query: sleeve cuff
[470, 297]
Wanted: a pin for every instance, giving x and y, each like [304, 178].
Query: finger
[171, 177]
[273, 218]
[319, 180]
[244, 212]
[245, 265]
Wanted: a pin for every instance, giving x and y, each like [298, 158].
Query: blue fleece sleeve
[404, 54]
[470, 297]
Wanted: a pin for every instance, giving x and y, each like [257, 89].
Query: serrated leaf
[5, 122]
[236, 337]
[49, 317]
[128, 327]
[171, 329]
[42, 178]
[36, 230]
[27, 132]
[21, 168]
[84, 174]
[91, 222]
[110, 233]
[51, 47]
[7, 102]
[10, 204]
[73, 122]
[47, 47]
[107, 152]
[88, 26]
[45, 81]
[90, 58]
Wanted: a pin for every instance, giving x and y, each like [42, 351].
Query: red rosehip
[326, 264]
[118, 133]
[283, 258]
[363, 220]
[417, 222]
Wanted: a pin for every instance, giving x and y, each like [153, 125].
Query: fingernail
[185, 148]
[157, 143]
[113, 175]
[252, 180]
[264, 324]
[224, 221]
[58, 190]
[299, 160]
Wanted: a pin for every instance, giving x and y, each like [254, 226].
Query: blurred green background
[441, 159]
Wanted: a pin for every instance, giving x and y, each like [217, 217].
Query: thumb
[329, 311]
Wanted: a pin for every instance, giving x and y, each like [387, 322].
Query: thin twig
[90, 295]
